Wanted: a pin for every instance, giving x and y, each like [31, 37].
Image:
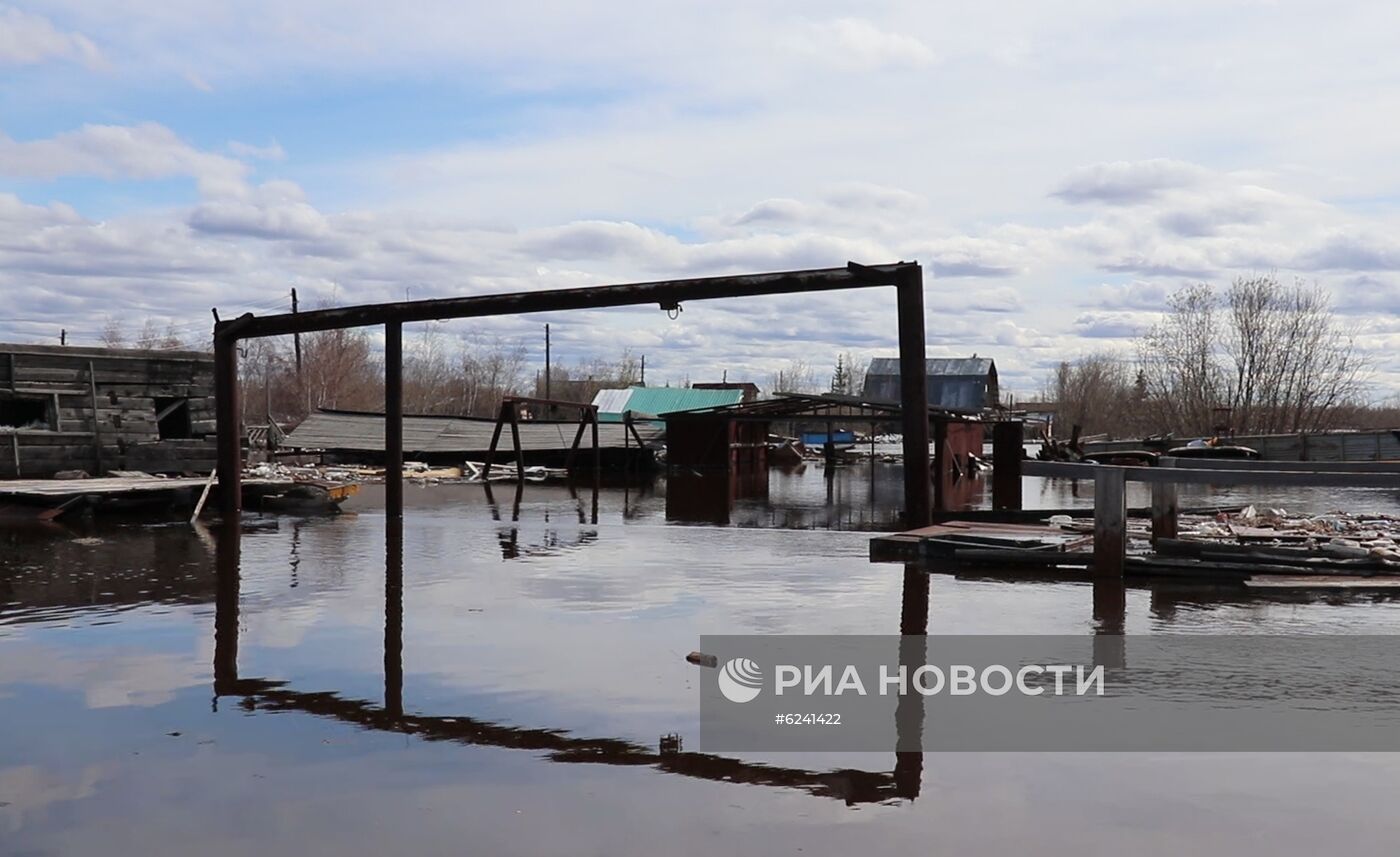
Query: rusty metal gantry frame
[510, 414]
[906, 277]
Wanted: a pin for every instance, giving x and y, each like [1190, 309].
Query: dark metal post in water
[1110, 522]
[1007, 440]
[909, 709]
[942, 467]
[1164, 507]
[226, 416]
[393, 617]
[227, 558]
[393, 420]
[913, 368]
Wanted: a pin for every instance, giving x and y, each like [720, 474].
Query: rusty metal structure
[905, 277]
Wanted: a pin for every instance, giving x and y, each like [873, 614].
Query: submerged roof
[365, 432]
[663, 400]
[961, 367]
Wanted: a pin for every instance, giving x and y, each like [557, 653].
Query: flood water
[509, 697]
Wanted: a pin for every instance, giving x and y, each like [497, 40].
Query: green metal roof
[664, 400]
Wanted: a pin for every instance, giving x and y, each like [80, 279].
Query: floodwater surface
[509, 691]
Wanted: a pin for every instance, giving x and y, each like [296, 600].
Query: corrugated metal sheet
[661, 400]
[612, 401]
[959, 383]
[365, 432]
[1334, 446]
[966, 367]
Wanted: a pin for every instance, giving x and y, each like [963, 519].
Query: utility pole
[62, 336]
[296, 346]
[546, 363]
[644, 370]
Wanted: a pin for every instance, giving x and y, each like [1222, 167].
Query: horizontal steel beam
[1188, 476]
[665, 293]
[1292, 466]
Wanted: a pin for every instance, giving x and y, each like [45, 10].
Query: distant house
[956, 383]
[654, 401]
[100, 409]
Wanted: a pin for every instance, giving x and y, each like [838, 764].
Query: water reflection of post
[227, 558]
[491, 501]
[909, 712]
[1110, 615]
[393, 618]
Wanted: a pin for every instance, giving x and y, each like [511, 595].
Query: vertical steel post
[597, 450]
[515, 439]
[1110, 522]
[227, 421]
[913, 396]
[942, 465]
[393, 617]
[909, 711]
[227, 560]
[1007, 448]
[393, 420]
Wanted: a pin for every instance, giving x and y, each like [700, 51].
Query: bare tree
[429, 376]
[488, 371]
[1275, 357]
[1182, 376]
[797, 377]
[153, 337]
[113, 336]
[341, 370]
[1099, 392]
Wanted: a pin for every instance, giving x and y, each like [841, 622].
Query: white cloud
[1128, 182]
[273, 151]
[29, 39]
[145, 151]
[856, 43]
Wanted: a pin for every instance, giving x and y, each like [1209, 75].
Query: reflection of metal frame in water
[509, 537]
[849, 785]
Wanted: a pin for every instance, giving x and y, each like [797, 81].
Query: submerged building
[65, 408]
[954, 383]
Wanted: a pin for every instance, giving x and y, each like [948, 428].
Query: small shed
[100, 409]
[954, 383]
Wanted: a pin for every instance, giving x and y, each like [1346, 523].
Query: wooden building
[96, 410]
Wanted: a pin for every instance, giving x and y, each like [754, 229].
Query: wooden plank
[96, 423]
[1284, 582]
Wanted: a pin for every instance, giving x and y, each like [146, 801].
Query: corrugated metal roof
[937, 366]
[662, 400]
[959, 383]
[612, 401]
[365, 432]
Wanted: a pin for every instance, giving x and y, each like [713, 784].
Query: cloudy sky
[1057, 168]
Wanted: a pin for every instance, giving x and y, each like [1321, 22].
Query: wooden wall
[107, 394]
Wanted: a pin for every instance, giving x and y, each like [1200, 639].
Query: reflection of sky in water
[106, 648]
